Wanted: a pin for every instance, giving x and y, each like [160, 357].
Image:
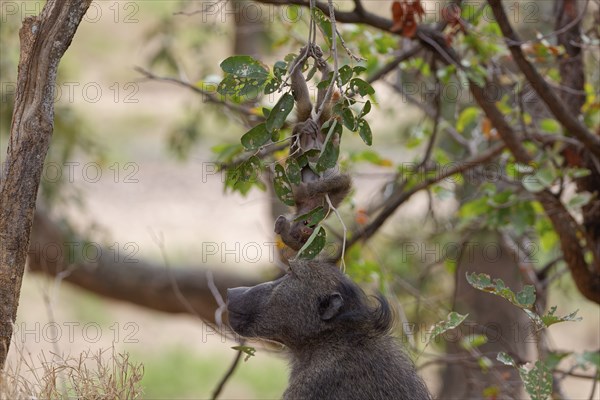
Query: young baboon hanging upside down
[308, 136]
[340, 345]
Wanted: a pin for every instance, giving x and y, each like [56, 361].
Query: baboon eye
[305, 222]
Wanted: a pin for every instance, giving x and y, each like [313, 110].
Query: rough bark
[44, 40]
[571, 63]
[174, 290]
[571, 90]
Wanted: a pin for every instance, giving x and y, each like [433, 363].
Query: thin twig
[334, 78]
[228, 374]
[208, 96]
[160, 243]
[391, 66]
[219, 299]
[594, 383]
[436, 122]
[399, 197]
[344, 229]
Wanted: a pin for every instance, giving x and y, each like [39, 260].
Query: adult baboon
[340, 346]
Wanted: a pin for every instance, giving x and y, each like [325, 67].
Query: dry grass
[92, 375]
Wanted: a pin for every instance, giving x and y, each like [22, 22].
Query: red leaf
[410, 27]
[415, 8]
[404, 15]
[397, 16]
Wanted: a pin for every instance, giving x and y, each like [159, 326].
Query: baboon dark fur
[340, 345]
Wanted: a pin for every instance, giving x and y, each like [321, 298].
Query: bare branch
[227, 375]
[208, 96]
[134, 281]
[391, 66]
[398, 198]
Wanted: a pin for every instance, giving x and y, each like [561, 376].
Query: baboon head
[312, 302]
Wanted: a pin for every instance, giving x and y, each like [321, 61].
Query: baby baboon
[308, 196]
[340, 345]
[308, 136]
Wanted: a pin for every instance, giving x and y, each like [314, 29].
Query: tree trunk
[506, 326]
[44, 40]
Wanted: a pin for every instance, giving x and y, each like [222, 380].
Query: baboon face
[312, 300]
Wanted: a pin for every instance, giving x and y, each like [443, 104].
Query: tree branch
[209, 96]
[389, 67]
[44, 40]
[134, 281]
[398, 198]
[358, 15]
[566, 227]
[544, 91]
[587, 282]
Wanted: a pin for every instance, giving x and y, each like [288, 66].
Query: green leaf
[348, 119]
[331, 151]
[526, 297]
[523, 299]
[280, 112]
[579, 172]
[365, 110]
[471, 342]
[345, 74]
[475, 208]
[372, 157]
[550, 125]
[314, 244]
[250, 169]
[272, 85]
[546, 176]
[282, 186]
[506, 359]
[249, 351]
[550, 319]
[245, 76]
[364, 131]
[228, 86]
[245, 67]
[361, 87]
[553, 358]
[307, 155]
[255, 137]
[592, 357]
[314, 216]
[324, 25]
[280, 69]
[477, 75]
[226, 151]
[537, 381]
[293, 171]
[543, 178]
[453, 320]
[359, 69]
[579, 200]
[245, 176]
[532, 184]
[467, 118]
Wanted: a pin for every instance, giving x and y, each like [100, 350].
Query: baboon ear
[330, 306]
